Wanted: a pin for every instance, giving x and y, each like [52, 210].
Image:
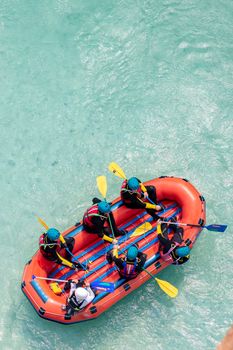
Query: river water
[149, 85]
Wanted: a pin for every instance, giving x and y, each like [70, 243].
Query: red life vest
[129, 270]
[124, 189]
[48, 251]
[90, 214]
[167, 256]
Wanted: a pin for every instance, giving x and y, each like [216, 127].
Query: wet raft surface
[95, 254]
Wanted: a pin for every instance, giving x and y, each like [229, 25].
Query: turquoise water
[147, 84]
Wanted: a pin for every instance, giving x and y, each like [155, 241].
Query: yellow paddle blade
[43, 223]
[102, 185]
[167, 287]
[140, 230]
[116, 170]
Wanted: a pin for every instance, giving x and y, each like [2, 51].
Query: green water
[149, 85]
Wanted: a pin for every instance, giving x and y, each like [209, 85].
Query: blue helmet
[104, 207]
[53, 234]
[132, 253]
[133, 183]
[182, 251]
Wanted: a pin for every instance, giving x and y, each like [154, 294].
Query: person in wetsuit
[130, 265]
[135, 195]
[52, 242]
[172, 250]
[99, 219]
[80, 296]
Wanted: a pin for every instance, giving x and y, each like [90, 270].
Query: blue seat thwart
[150, 261]
[106, 249]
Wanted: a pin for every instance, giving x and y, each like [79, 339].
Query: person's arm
[63, 261]
[89, 298]
[141, 261]
[135, 200]
[166, 243]
[99, 227]
[143, 188]
[98, 222]
[183, 259]
[143, 204]
[112, 220]
[142, 257]
[159, 229]
[63, 242]
[57, 257]
[91, 293]
[115, 251]
[148, 205]
[152, 206]
[118, 261]
[107, 238]
[72, 287]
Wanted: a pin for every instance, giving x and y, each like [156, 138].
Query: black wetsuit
[121, 263]
[50, 251]
[135, 201]
[167, 243]
[99, 227]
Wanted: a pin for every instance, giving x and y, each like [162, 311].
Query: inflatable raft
[179, 198]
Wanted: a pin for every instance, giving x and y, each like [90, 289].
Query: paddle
[116, 170]
[213, 227]
[43, 223]
[140, 230]
[167, 287]
[102, 187]
[105, 286]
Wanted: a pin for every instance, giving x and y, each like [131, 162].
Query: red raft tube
[179, 198]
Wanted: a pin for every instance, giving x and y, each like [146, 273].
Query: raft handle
[67, 317]
[41, 311]
[188, 242]
[201, 222]
[23, 284]
[126, 287]
[185, 180]
[93, 309]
